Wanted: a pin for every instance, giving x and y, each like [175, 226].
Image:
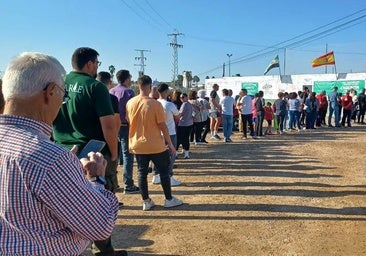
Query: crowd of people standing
[54, 203]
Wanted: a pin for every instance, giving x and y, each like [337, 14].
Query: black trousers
[183, 133]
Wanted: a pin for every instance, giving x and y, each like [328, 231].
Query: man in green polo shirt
[88, 114]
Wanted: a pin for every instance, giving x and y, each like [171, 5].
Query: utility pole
[284, 61]
[229, 55]
[174, 44]
[326, 51]
[142, 59]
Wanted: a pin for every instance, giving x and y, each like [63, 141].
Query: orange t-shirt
[143, 115]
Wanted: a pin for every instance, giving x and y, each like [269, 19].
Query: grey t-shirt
[186, 119]
[215, 97]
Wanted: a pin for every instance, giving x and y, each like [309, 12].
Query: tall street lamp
[229, 55]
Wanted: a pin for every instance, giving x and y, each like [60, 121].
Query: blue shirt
[294, 104]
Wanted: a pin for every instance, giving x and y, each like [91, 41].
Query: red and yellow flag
[326, 59]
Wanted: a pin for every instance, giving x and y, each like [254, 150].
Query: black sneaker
[132, 190]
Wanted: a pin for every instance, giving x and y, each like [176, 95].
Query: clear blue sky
[212, 29]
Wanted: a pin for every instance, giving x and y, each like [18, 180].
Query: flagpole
[326, 50]
[335, 70]
[284, 61]
[279, 70]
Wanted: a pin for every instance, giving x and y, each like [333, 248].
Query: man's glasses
[66, 96]
[99, 63]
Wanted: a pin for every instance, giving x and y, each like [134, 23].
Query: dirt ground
[294, 194]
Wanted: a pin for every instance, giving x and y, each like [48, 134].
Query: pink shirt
[254, 109]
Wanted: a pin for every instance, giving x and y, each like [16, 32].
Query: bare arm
[213, 102]
[118, 121]
[110, 134]
[164, 129]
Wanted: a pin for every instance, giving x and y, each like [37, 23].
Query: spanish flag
[326, 59]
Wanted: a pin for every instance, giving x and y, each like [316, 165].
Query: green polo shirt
[78, 120]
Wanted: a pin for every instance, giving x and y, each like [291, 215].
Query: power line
[139, 15]
[157, 13]
[299, 42]
[334, 32]
[317, 36]
[147, 13]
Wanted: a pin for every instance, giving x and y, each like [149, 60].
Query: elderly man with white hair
[51, 202]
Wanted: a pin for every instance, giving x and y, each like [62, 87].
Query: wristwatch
[99, 179]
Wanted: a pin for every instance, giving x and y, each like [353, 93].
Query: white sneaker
[156, 179]
[174, 182]
[186, 154]
[148, 204]
[172, 202]
[199, 143]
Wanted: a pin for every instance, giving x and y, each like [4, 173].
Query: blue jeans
[285, 120]
[310, 119]
[294, 119]
[161, 163]
[227, 122]
[126, 157]
[280, 121]
[260, 119]
[333, 108]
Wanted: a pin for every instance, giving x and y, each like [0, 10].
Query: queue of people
[49, 116]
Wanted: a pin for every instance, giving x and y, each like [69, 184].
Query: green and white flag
[275, 63]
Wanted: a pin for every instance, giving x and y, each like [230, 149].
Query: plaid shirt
[47, 206]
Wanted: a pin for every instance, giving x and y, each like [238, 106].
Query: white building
[271, 85]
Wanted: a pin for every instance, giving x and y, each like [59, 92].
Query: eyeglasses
[98, 63]
[66, 96]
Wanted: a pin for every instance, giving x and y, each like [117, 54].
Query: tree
[179, 82]
[188, 75]
[112, 69]
[196, 79]
[207, 77]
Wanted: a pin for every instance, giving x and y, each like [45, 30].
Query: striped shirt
[47, 206]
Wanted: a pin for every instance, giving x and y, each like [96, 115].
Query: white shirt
[246, 107]
[170, 111]
[227, 105]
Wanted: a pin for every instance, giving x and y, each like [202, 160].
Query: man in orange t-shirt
[148, 136]
[347, 109]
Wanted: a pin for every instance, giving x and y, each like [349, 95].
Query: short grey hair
[30, 73]
[201, 93]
